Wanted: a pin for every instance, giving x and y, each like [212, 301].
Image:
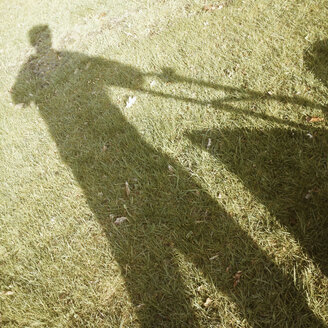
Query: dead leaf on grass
[308, 195]
[140, 306]
[131, 101]
[208, 302]
[170, 167]
[127, 189]
[120, 220]
[236, 278]
[8, 293]
[209, 142]
[315, 119]
[19, 106]
[212, 7]
[310, 192]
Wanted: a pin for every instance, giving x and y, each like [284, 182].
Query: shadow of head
[316, 60]
[40, 38]
[48, 62]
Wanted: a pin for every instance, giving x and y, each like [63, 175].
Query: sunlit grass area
[163, 163]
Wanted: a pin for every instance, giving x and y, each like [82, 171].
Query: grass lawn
[163, 163]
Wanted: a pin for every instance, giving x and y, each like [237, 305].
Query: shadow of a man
[286, 170]
[168, 213]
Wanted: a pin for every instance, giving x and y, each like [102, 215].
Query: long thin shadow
[243, 94]
[219, 104]
[167, 211]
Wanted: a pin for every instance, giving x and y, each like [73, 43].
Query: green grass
[227, 173]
